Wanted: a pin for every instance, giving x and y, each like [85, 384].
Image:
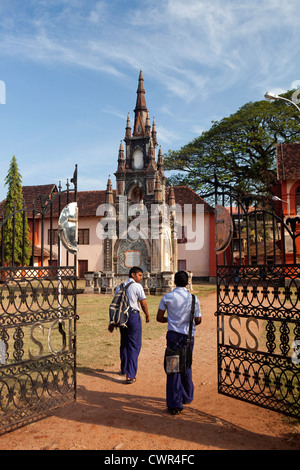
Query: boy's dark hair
[135, 270]
[181, 279]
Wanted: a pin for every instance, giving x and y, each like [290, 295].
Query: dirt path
[110, 415]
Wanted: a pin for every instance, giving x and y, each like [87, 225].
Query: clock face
[138, 160]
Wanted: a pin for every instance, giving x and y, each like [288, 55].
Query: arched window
[297, 200]
[136, 194]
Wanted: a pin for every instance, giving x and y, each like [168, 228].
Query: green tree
[239, 151]
[16, 229]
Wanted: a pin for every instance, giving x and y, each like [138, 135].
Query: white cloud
[198, 130]
[201, 60]
[192, 48]
[167, 136]
[295, 84]
[92, 184]
[115, 112]
[98, 13]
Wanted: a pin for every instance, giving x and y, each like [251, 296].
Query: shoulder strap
[124, 286]
[127, 285]
[189, 339]
[192, 315]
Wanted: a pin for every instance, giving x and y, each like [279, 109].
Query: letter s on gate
[38, 343]
[231, 318]
[249, 320]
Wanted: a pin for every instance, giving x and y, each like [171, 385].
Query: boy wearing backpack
[131, 334]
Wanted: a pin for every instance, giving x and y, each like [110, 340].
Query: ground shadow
[112, 376]
[148, 414]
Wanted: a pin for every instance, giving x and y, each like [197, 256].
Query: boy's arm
[160, 317]
[145, 309]
[198, 316]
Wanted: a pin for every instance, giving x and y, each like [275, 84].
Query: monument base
[153, 283]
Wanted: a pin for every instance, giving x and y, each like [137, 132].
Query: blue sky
[70, 71]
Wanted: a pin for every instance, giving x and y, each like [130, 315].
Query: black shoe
[174, 411]
[130, 381]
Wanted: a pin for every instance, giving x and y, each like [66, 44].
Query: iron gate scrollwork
[258, 299]
[38, 318]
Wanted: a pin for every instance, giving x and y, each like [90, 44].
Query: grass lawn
[96, 346]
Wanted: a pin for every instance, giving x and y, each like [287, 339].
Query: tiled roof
[238, 210]
[46, 253]
[186, 195]
[31, 193]
[288, 161]
[88, 201]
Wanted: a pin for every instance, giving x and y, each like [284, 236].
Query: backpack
[120, 307]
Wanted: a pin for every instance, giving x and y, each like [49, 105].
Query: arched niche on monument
[137, 160]
[131, 253]
[135, 194]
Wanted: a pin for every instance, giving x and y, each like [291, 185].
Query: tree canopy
[238, 151]
[16, 229]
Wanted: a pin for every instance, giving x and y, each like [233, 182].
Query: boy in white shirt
[131, 336]
[180, 387]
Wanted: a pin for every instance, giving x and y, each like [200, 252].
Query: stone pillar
[107, 283]
[153, 283]
[190, 284]
[89, 283]
[97, 282]
[167, 281]
[146, 282]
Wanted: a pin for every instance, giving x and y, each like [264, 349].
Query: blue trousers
[131, 342]
[180, 387]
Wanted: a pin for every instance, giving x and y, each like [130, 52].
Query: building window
[182, 265]
[54, 237]
[297, 201]
[83, 236]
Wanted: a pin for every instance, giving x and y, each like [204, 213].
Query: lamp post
[271, 96]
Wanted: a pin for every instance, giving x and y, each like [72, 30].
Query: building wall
[196, 252]
[91, 252]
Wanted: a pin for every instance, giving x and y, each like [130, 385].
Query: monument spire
[121, 159]
[140, 111]
[140, 101]
[160, 162]
[109, 196]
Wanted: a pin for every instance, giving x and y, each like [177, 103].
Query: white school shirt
[178, 304]
[135, 293]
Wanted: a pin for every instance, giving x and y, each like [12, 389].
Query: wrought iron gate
[37, 314]
[258, 300]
